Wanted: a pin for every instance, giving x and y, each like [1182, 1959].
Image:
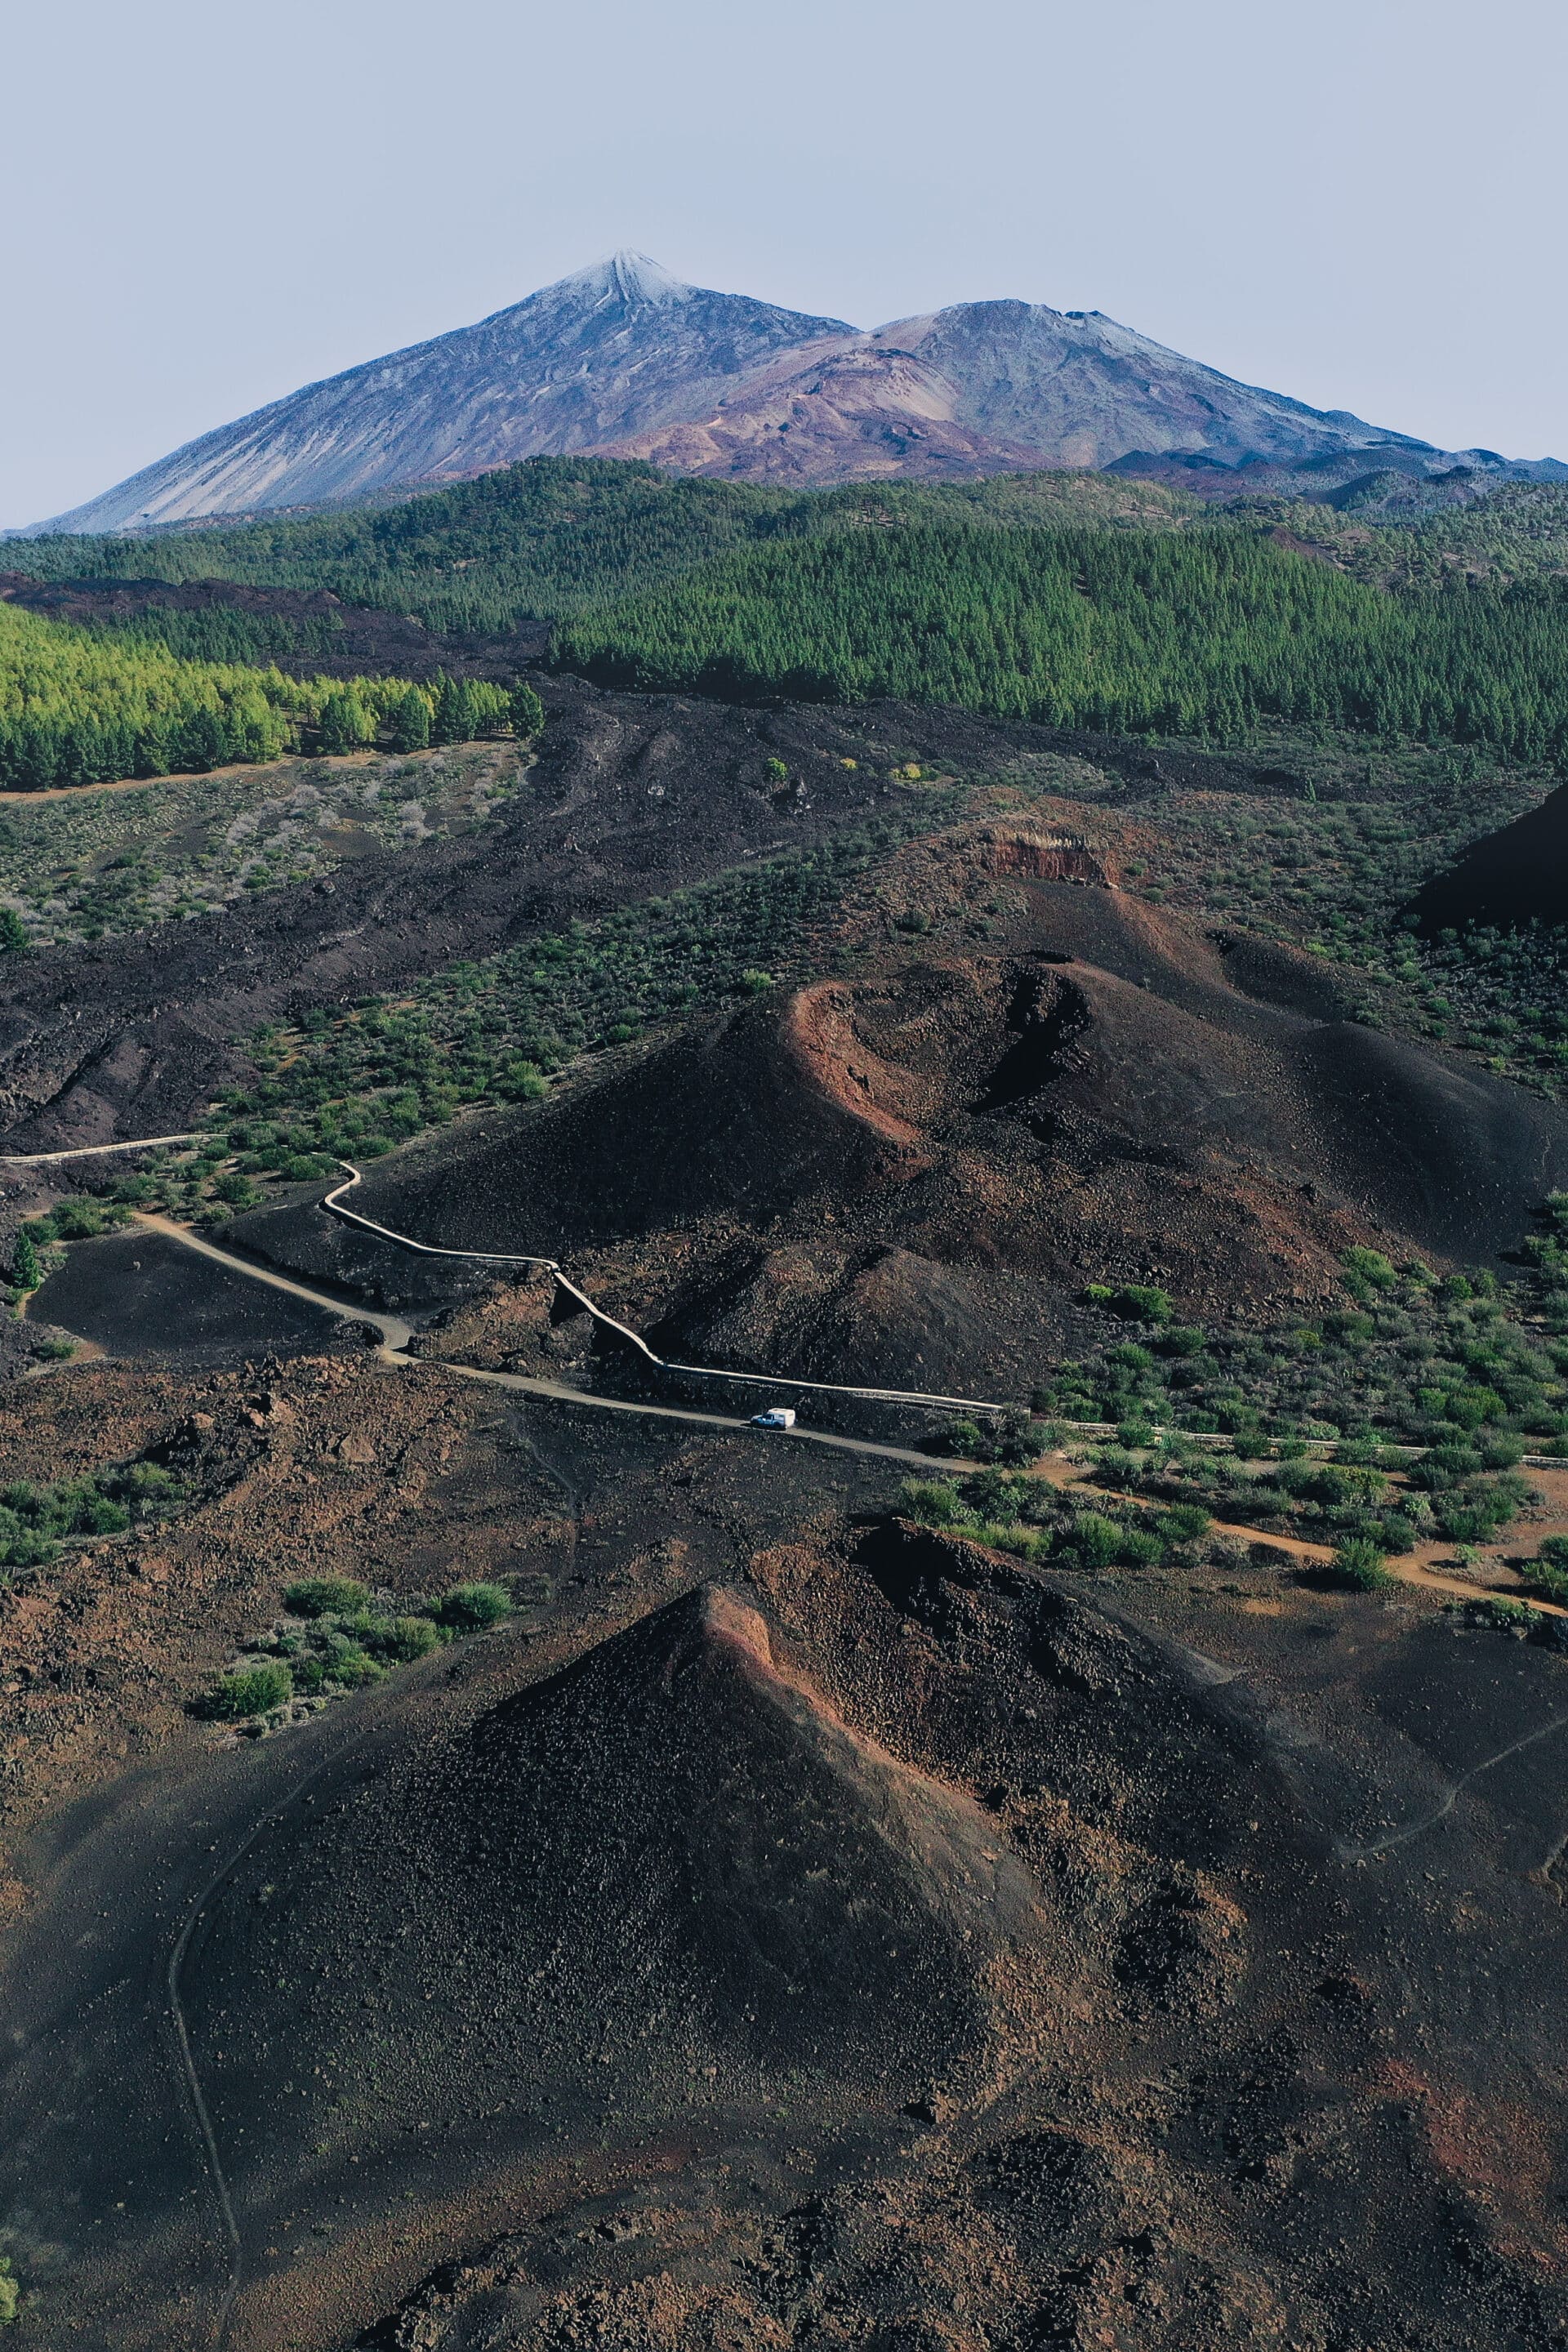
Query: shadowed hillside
[1509, 879]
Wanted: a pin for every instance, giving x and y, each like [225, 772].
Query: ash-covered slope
[900, 1941]
[627, 360]
[616, 349]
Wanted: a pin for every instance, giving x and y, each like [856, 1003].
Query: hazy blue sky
[1359, 202]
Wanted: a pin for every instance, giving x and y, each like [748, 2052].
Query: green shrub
[10, 2293]
[100, 1515]
[520, 1081]
[1141, 1548]
[1181, 1339]
[1186, 1522]
[470, 1608]
[1016, 1440]
[1137, 1302]
[1496, 1615]
[353, 1667]
[81, 1221]
[1545, 1578]
[325, 1596]
[1370, 1266]
[1445, 1465]
[1462, 1523]
[1096, 1541]
[255, 1690]
[996, 1495]
[407, 1638]
[934, 1501]
[1358, 1565]
[1116, 1466]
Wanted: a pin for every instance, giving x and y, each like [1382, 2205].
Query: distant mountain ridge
[625, 360]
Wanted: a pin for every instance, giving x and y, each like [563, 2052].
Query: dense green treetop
[537, 539]
[1192, 632]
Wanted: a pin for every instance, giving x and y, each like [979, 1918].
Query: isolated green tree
[13, 931]
[527, 712]
[26, 1271]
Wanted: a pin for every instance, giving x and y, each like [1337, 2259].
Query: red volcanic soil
[856, 414]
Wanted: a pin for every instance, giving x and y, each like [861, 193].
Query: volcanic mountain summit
[625, 360]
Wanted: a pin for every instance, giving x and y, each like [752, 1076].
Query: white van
[777, 1416]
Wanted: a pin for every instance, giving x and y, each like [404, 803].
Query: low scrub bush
[335, 1638]
[1096, 1541]
[1141, 1548]
[470, 1608]
[407, 1638]
[1136, 1302]
[1548, 1580]
[35, 1520]
[1358, 1565]
[253, 1691]
[353, 1668]
[934, 1501]
[323, 1596]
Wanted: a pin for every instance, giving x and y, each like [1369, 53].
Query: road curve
[332, 1204]
[396, 1334]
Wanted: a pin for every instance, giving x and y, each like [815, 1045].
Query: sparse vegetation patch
[100, 864]
[335, 1636]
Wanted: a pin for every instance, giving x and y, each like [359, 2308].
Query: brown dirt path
[1411, 1570]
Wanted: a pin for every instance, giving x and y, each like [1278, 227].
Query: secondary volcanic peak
[673, 1854]
[921, 1166]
